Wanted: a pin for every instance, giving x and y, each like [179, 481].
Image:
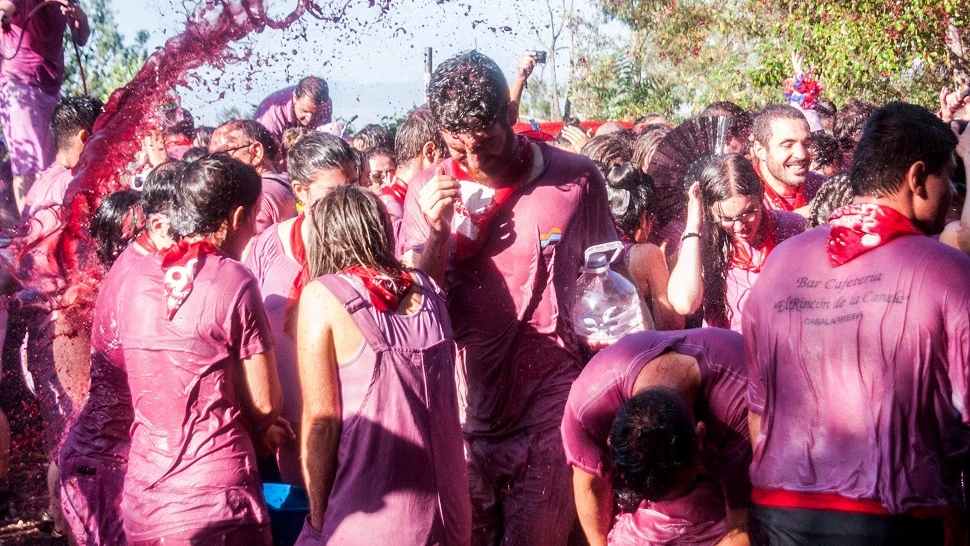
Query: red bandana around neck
[298, 248]
[398, 189]
[773, 200]
[386, 291]
[743, 258]
[859, 228]
[470, 238]
[145, 242]
[181, 263]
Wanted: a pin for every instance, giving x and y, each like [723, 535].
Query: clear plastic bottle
[607, 305]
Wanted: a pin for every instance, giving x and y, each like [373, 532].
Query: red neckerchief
[773, 200]
[386, 291]
[181, 263]
[741, 258]
[859, 228]
[144, 240]
[397, 189]
[298, 248]
[481, 221]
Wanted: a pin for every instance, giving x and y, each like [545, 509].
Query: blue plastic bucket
[288, 506]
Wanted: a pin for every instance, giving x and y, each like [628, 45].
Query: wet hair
[372, 136]
[646, 144]
[254, 131]
[835, 193]
[194, 153]
[318, 152]
[849, 122]
[652, 440]
[178, 121]
[378, 151]
[350, 226]
[363, 166]
[209, 191]
[608, 149]
[631, 193]
[468, 93]
[826, 111]
[71, 115]
[117, 221]
[313, 87]
[652, 118]
[895, 137]
[158, 191]
[291, 136]
[761, 131]
[414, 132]
[722, 108]
[202, 135]
[720, 178]
[825, 150]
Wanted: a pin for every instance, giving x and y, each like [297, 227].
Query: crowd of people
[383, 321]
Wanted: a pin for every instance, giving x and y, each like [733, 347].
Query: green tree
[109, 62]
[696, 51]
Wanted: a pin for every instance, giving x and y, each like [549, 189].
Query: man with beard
[502, 224]
[782, 157]
[857, 358]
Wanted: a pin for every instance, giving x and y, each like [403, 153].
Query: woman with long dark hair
[94, 457]
[198, 352]
[728, 237]
[631, 195]
[278, 259]
[382, 450]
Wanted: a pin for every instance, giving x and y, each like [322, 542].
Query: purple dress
[401, 475]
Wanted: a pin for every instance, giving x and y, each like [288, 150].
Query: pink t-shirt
[860, 371]
[40, 61]
[277, 203]
[276, 274]
[740, 281]
[510, 302]
[607, 383]
[43, 220]
[192, 464]
[101, 428]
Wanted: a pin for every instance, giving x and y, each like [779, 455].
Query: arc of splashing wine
[115, 139]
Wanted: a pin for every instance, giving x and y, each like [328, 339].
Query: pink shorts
[25, 113]
[91, 499]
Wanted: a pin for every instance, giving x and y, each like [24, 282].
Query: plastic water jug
[607, 305]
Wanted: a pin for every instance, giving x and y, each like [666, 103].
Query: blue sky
[374, 61]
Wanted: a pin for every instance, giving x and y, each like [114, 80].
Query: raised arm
[436, 201]
[527, 64]
[685, 290]
[77, 21]
[322, 411]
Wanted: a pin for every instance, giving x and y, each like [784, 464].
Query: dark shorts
[795, 527]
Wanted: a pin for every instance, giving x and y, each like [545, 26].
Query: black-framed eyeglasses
[744, 217]
[377, 177]
[230, 150]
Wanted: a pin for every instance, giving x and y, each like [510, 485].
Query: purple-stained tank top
[401, 475]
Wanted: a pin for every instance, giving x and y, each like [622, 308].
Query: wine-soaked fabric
[94, 457]
[401, 476]
[859, 372]
[192, 464]
[607, 383]
[276, 273]
[276, 202]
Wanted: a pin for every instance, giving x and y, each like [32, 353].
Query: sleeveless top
[401, 476]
